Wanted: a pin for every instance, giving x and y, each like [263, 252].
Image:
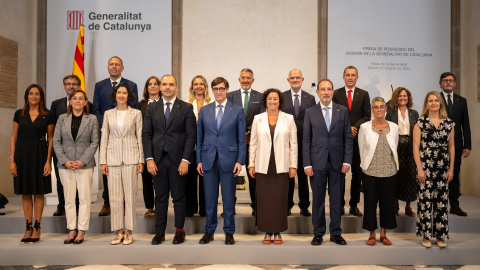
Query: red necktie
[349, 100]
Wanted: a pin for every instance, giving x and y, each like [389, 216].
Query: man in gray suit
[327, 153]
[296, 102]
[249, 100]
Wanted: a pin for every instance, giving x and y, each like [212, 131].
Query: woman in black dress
[31, 156]
[434, 153]
[405, 117]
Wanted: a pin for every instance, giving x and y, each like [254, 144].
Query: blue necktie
[450, 106]
[113, 84]
[219, 116]
[327, 118]
[296, 105]
[167, 115]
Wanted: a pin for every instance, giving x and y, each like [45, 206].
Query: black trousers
[252, 183]
[168, 181]
[148, 194]
[454, 185]
[356, 181]
[192, 200]
[303, 188]
[381, 191]
[61, 196]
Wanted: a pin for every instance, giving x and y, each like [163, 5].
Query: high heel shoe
[29, 230]
[71, 240]
[36, 228]
[79, 241]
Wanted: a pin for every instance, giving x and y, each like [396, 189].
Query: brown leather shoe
[179, 238]
[456, 210]
[409, 212]
[105, 210]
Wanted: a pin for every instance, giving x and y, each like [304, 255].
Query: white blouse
[403, 124]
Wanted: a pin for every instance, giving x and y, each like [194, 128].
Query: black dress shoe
[189, 214]
[456, 210]
[229, 239]
[203, 213]
[305, 213]
[207, 237]
[338, 239]
[158, 238]
[179, 238]
[59, 213]
[289, 213]
[342, 212]
[317, 240]
[253, 213]
[355, 211]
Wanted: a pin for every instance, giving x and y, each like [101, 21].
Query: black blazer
[361, 109]
[307, 101]
[463, 139]
[179, 134]
[59, 107]
[392, 116]
[254, 106]
[142, 106]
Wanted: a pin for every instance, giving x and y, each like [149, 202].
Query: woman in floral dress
[434, 154]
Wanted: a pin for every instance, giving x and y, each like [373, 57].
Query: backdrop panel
[392, 43]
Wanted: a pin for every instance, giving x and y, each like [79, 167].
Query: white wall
[271, 37]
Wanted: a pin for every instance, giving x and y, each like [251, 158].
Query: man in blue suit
[221, 151]
[103, 102]
[327, 152]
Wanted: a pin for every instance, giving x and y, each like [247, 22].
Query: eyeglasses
[219, 89]
[448, 80]
[70, 84]
[381, 107]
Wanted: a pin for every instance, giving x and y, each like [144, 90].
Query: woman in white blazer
[198, 97]
[121, 159]
[273, 160]
[75, 142]
[378, 142]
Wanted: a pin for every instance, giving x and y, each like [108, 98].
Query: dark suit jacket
[179, 134]
[306, 101]
[228, 141]
[254, 106]
[361, 109]
[102, 100]
[59, 107]
[463, 139]
[392, 116]
[318, 143]
[142, 106]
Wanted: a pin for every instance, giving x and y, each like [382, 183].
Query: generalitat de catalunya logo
[74, 19]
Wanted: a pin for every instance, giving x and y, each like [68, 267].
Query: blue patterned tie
[167, 115]
[450, 106]
[327, 118]
[219, 116]
[296, 105]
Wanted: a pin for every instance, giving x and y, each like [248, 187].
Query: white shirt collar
[171, 101]
[323, 106]
[153, 100]
[346, 89]
[118, 80]
[223, 103]
[249, 90]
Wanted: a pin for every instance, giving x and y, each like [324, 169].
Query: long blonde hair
[442, 112]
[192, 97]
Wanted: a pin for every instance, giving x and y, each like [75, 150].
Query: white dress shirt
[330, 111]
[403, 124]
[243, 95]
[165, 104]
[445, 95]
[217, 108]
[346, 91]
[117, 80]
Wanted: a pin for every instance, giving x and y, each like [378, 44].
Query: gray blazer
[83, 148]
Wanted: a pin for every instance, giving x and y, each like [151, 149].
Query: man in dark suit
[249, 100]
[327, 153]
[296, 102]
[220, 155]
[59, 107]
[357, 102]
[457, 111]
[169, 135]
[103, 102]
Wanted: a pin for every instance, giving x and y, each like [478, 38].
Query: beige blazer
[284, 143]
[368, 139]
[117, 148]
[195, 108]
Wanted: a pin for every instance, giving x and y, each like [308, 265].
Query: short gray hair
[375, 99]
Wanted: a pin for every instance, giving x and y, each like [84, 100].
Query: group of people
[397, 155]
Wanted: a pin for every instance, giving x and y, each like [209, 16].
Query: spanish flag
[79, 60]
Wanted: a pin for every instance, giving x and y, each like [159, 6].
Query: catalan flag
[79, 60]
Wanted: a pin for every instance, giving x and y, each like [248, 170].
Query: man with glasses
[103, 102]
[457, 111]
[296, 102]
[221, 153]
[357, 102]
[59, 107]
[249, 100]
